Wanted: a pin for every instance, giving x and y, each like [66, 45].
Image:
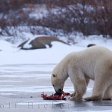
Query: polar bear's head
[57, 83]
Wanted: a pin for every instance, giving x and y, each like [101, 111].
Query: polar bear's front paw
[73, 94]
[76, 97]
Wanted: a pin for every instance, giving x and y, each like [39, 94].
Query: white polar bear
[93, 63]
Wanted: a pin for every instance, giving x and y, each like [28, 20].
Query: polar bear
[93, 63]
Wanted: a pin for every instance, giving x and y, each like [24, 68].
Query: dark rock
[41, 42]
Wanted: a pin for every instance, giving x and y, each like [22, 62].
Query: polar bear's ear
[54, 75]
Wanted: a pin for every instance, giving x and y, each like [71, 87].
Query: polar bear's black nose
[59, 92]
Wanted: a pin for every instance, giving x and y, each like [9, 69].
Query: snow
[10, 54]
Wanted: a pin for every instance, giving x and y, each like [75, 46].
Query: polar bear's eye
[54, 75]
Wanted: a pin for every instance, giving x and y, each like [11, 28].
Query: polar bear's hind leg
[108, 93]
[100, 89]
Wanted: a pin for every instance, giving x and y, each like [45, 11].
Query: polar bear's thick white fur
[93, 63]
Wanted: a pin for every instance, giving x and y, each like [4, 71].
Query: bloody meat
[55, 96]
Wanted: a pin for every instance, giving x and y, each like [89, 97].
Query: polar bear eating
[93, 63]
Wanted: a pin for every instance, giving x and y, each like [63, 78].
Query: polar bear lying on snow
[93, 63]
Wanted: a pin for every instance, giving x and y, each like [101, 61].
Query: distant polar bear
[93, 63]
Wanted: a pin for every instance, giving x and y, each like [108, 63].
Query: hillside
[58, 18]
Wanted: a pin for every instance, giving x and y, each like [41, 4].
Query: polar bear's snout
[59, 92]
[57, 84]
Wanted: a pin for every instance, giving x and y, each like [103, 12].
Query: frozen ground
[22, 85]
[24, 75]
